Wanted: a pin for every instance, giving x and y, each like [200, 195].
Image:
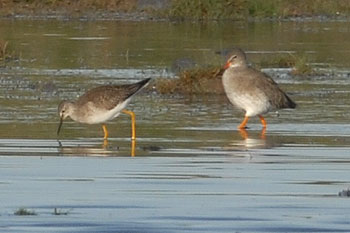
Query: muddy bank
[134, 10]
[178, 10]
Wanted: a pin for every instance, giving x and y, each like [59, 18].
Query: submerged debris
[152, 148]
[57, 211]
[344, 193]
[24, 211]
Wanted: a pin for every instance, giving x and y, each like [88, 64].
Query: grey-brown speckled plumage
[99, 104]
[248, 81]
[107, 97]
[100, 100]
[252, 90]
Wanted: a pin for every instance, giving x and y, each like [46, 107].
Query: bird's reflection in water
[77, 148]
[244, 133]
[132, 146]
[252, 140]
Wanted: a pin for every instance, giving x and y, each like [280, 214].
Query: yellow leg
[105, 131]
[133, 123]
[132, 152]
[244, 122]
[105, 144]
[263, 122]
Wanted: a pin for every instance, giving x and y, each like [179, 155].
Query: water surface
[192, 170]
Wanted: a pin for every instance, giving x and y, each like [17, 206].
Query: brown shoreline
[80, 9]
[125, 10]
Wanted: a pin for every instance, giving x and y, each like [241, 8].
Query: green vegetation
[6, 55]
[205, 9]
[3, 50]
[300, 63]
[292, 8]
[69, 8]
[181, 9]
[279, 60]
[302, 66]
[240, 9]
[24, 212]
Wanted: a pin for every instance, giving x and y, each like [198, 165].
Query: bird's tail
[143, 82]
[290, 102]
[136, 87]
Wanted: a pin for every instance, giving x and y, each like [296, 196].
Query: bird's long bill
[60, 125]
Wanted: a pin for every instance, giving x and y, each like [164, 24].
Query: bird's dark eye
[233, 57]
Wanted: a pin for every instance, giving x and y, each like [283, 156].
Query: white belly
[253, 105]
[97, 116]
[253, 101]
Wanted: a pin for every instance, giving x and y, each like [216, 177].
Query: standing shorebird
[251, 90]
[101, 104]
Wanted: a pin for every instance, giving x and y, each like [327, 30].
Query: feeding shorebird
[251, 90]
[100, 105]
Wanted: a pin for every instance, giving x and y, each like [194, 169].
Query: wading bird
[251, 90]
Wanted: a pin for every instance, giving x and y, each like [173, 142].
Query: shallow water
[192, 171]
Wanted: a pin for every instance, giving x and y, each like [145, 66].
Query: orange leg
[105, 131]
[133, 123]
[243, 133]
[263, 131]
[263, 122]
[244, 122]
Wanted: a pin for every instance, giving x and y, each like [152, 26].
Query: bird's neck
[73, 110]
[238, 66]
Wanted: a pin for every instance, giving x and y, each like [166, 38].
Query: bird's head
[236, 58]
[65, 109]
